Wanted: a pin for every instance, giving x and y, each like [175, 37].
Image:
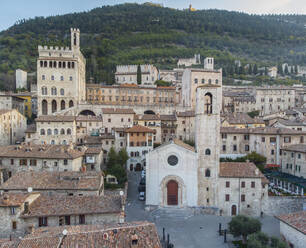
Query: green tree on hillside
[255, 70]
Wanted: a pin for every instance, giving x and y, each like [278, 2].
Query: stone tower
[207, 141]
[60, 77]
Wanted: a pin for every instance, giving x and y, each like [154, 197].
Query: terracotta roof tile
[179, 143]
[147, 117]
[93, 150]
[12, 199]
[108, 235]
[60, 205]
[296, 148]
[117, 111]
[168, 117]
[262, 130]
[242, 118]
[186, 114]
[41, 151]
[4, 111]
[296, 220]
[239, 169]
[139, 129]
[45, 180]
[88, 118]
[31, 129]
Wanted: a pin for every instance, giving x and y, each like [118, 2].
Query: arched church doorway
[234, 210]
[172, 193]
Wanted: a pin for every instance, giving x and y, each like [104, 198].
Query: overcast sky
[13, 10]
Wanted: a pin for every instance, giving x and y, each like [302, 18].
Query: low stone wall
[276, 205]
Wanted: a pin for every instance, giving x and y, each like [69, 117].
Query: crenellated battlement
[74, 30]
[133, 68]
[51, 48]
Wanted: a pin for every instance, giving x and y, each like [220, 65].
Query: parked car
[143, 173]
[142, 196]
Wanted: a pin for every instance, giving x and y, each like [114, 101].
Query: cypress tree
[138, 74]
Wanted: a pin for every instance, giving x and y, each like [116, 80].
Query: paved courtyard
[185, 230]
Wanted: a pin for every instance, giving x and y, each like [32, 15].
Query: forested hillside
[132, 33]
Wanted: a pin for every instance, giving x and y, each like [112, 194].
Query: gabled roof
[178, 143]
[12, 199]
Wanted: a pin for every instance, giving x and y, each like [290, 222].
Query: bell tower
[207, 141]
[75, 39]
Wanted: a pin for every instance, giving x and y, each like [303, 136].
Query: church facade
[178, 175]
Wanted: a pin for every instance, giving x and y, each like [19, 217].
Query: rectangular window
[287, 139]
[33, 162]
[246, 137]
[13, 210]
[247, 148]
[67, 220]
[12, 161]
[14, 225]
[227, 197]
[42, 221]
[234, 147]
[224, 148]
[23, 162]
[272, 140]
[235, 137]
[242, 184]
[252, 184]
[272, 152]
[242, 198]
[263, 139]
[224, 136]
[81, 219]
[227, 184]
[65, 162]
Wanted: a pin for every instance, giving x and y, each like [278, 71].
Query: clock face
[172, 160]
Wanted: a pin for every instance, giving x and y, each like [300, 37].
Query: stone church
[178, 175]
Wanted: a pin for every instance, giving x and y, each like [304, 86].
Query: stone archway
[87, 112]
[177, 189]
[149, 112]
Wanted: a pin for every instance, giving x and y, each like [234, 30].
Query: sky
[14, 10]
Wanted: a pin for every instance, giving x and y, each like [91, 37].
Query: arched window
[54, 106]
[42, 132]
[41, 63]
[60, 64]
[208, 103]
[55, 131]
[72, 65]
[62, 131]
[64, 142]
[68, 131]
[68, 65]
[50, 64]
[63, 105]
[207, 151]
[64, 64]
[217, 81]
[52, 142]
[43, 77]
[132, 154]
[195, 80]
[54, 64]
[70, 104]
[52, 77]
[45, 64]
[62, 78]
[49, 131]
[62, 92]
[203, 81]
[44, 106]
[53, 91]
[207, 173]
[209, 81]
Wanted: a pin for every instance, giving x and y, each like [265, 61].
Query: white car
[141, 196]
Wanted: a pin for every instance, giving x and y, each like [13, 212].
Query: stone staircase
[172, 213]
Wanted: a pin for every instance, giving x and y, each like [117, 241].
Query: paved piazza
[185, 229]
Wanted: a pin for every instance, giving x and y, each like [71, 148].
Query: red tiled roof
[296, 220]
[12, 199]
[117, 111]
[139, 129]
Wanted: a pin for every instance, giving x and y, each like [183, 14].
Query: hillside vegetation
[132, 33]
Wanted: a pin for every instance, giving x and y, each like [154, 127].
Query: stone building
[131, 95]
[88, 125]
[267, 141]
[128, 74]
[129, 234]
[296, 124]
[60, 76]
[39, 157]
[33, 210]
[196, 60]
[242, 189]
[116, 118]
[293, 228]
[55, 183]
[55, 129]
[180, 175]
[9, 102]
[12, 127]
[139, 143]
[30, 102]
[293, 160]
[185, 125]
[168, 127]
